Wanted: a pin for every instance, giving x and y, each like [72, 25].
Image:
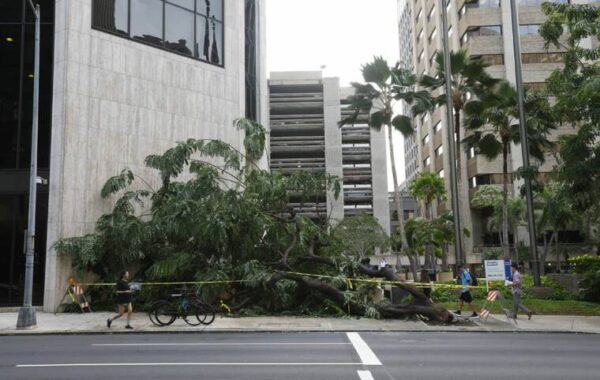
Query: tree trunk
[459, 213]
[557, 253]
[515, 233]
[398, 199]
[420, 305]
[505, 240]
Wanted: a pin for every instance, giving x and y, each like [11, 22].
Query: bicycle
[182, 305]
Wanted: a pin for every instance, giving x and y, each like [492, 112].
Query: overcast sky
[338, 34]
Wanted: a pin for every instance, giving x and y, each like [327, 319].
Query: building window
[489, 30]
[542, 58]
[421, 55]
[450, 31]
[437, 127]
[441, 173]
[529, 29]
[492, 59]
[188, 27]
[426, 139]
[427, 161]
[439, 151]
[419, 35]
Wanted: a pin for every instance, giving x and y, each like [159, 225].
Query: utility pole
[460, 257]
[27, 317]
[524, 141]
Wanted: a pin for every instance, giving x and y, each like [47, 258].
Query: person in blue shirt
[464, 278]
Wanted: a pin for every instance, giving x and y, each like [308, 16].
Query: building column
[333, 145]
[379, 181]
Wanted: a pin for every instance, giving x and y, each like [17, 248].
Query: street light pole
[27, 317]
[524, 142]
[461, 259]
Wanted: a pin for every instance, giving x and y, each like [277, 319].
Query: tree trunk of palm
[399, 204]
[516, 248]
[505, 240]
[459, 213]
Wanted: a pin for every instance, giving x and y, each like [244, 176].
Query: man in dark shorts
[465, 295]
[123, 300]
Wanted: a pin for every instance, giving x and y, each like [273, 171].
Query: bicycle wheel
[151, 315]
[165, 313]
[191, 313]
[204, 313]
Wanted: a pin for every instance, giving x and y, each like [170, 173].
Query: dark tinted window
[188, 4]
[10, 10]
[211, 8]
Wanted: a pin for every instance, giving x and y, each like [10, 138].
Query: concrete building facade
[130, 78]
[304, 116]
[483, 28]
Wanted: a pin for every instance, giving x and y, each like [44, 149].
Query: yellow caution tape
[350, 282]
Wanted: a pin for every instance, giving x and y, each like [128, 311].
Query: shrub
[586, 263]
[589, 287]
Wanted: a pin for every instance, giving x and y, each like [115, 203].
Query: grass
[539, 306]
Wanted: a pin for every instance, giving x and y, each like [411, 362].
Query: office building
[483, 28]
[120, 79]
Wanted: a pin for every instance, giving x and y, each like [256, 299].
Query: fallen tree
[216, 217]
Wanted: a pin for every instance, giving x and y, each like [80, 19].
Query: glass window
[441, 173]
[179, 29]
[210, 8]
[188, 27]
[427, 161]
[425, 139]
[437, 127]
[529, 29]
[147, 21]
[111, 15]
[188, 4]
[439, 151]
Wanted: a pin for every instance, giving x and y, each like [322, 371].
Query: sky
[340, 35]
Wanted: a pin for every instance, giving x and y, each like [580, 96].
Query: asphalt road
[424, 355]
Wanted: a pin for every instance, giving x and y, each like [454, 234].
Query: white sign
[494, 270]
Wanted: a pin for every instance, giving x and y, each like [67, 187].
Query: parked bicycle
[184, 305]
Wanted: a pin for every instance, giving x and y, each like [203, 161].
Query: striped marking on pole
[484, 313]
[492, 295]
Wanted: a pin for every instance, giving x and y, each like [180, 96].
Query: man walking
[123, 300]
[465, 280]
[517, 291]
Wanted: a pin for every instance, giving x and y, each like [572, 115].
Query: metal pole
[451, 137]
[27, 317]
[524, 141]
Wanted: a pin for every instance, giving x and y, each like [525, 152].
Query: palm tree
[427, 187]
[384, 87]
[490, 120]
[469, 79]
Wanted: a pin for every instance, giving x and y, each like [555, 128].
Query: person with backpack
[465, 279]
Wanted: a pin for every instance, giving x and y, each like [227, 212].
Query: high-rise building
[483, 28]
[304, 116]
[120, 79]
[405, 30]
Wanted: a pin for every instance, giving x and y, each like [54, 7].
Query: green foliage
[575, 89]
[589, 286]
[585, 264]
[361, 236]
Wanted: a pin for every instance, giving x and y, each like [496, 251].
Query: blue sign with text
[507, 270]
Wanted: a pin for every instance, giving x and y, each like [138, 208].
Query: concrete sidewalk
[48, 323]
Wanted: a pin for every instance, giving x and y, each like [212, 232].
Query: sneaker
[474, 315]
[529, 315]
[129, 327]
[457, 312]
[108, 322]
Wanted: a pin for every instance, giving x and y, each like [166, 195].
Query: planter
[402, 276]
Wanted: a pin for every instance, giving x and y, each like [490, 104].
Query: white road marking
[365, 375]
[365, 353]
[177, 364]
[218, 344]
